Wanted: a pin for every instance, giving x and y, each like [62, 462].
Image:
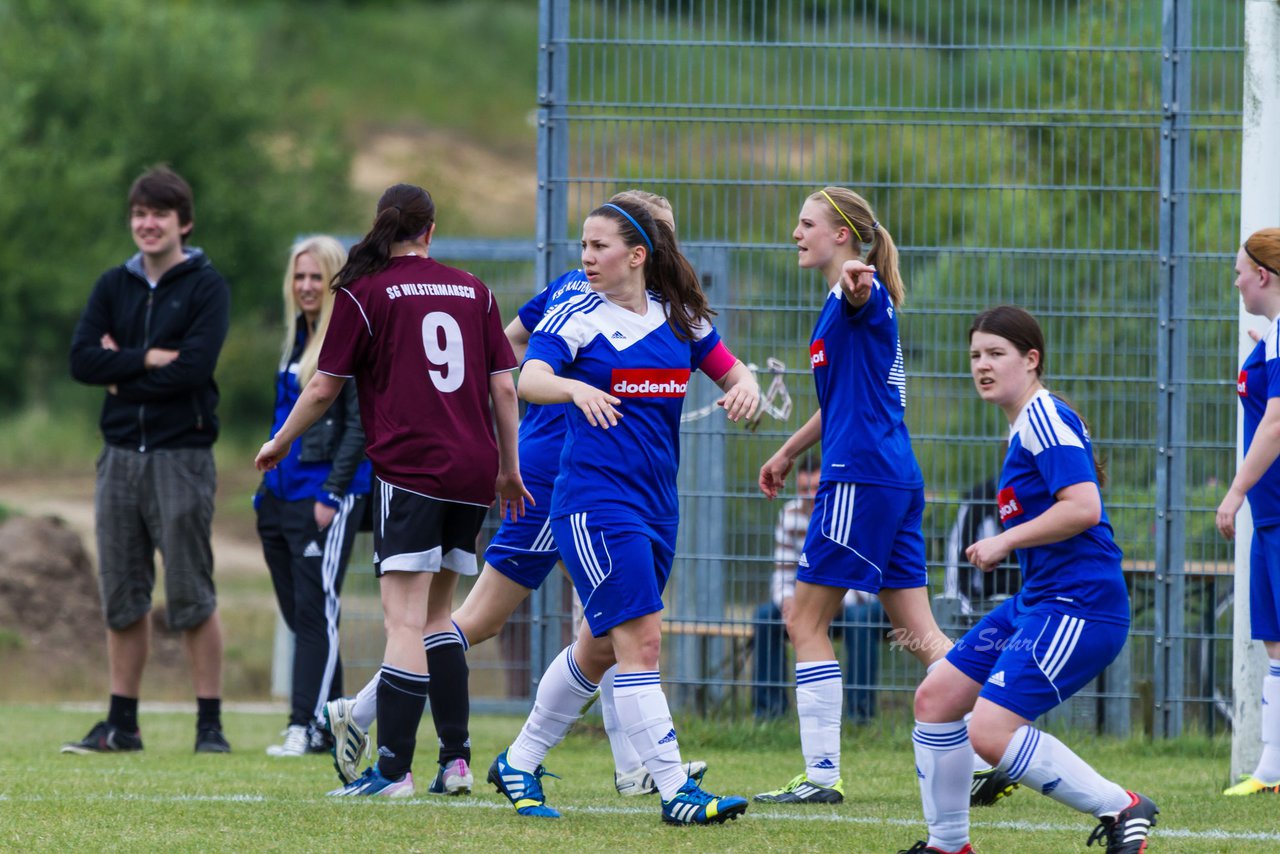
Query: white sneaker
[350, 740]
[639, 781]
[295, 742]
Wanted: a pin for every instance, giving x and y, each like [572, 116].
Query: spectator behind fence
[151, 334]
[977, 519]
[310, 506]
[859, 627]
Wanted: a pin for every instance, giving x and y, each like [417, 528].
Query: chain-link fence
[1078, 158]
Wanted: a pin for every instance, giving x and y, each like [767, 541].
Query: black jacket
[188, 311]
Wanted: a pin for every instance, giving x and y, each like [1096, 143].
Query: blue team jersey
[862, 390]
[542, 429]
[1049, 450]
[1259, 381]
[640, 360]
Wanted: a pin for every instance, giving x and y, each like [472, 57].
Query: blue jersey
[862, 390]
[542, 429]
[636, 358]
[1259, 381]
[1049, 450]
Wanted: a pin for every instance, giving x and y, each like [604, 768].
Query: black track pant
[307, 567]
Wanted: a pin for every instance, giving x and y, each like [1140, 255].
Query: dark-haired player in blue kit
[518, 559]
[622, 355]
[864, 533]
[1067, 623]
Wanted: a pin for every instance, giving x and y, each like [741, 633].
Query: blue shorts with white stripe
[1030, 661]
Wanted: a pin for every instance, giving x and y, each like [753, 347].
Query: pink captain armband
[718, 362]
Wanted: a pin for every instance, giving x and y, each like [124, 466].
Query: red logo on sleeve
[1242, 384]
[1009, 505]
[817, 354]
[649, 382]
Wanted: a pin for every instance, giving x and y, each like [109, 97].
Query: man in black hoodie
[151, 335]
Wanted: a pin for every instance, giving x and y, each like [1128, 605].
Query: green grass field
[168, 799]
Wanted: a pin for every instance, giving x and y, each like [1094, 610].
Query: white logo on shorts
[997, 679]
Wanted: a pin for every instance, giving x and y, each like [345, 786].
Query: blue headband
[631, 220]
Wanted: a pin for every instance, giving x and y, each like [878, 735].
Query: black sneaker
[989, 786]
[800, 791]
[318, 740]
[105, 738]
[209, 739]
[1126, 832]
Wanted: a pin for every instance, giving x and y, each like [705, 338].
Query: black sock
[402, 696]
[123, 713]
[209, 712]
[450, 699]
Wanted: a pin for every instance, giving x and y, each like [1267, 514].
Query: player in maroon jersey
[425, 344]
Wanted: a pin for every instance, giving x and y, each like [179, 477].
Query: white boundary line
[438, 803]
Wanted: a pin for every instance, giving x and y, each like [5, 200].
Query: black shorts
[415, 533]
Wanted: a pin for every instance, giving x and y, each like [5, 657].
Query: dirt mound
[50, 612]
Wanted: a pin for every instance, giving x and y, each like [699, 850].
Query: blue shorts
[524, 550]
[1264, 584]
[864, 536]
[619, 564]
[1030, 662]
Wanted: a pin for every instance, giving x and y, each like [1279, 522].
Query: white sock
[944, 765]
[646, 719]
[561, 695]
[1037, 759]
[819, 701]
[365, 710]
[1268, 769]
[625, 758]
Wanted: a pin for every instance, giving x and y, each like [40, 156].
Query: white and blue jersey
[1071, 617]
[1049, 449]
[1259, 381]
[614, 509]
[636, 358]
[862, 390]
[524, 550]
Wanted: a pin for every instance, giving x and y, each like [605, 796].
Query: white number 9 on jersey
[442, 342]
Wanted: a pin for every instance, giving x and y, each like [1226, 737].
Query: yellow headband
[842, 215]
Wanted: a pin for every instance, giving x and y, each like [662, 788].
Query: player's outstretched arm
[773, 474]
[314, 402]
[509, 486]
[1264, 451]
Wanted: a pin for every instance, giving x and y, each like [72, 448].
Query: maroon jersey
[421, 340]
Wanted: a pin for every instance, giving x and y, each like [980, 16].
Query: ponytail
[404, 212]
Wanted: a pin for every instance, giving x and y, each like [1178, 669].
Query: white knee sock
[944, 765]
[1038, 760]
[646, 719]
[1268, 769]
[818, 702]
[561, 695]
[625, 757]
[365, 710]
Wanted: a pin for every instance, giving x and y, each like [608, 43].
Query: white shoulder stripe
[1272, 340]
[1043, 427]
[367, 324]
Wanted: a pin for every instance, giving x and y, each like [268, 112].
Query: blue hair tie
[631, 220]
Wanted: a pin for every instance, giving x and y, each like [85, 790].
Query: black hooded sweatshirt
[188, 311]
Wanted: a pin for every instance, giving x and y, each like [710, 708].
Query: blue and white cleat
[692, 805]
[453, 778]
[523, 789]
[373, 784]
